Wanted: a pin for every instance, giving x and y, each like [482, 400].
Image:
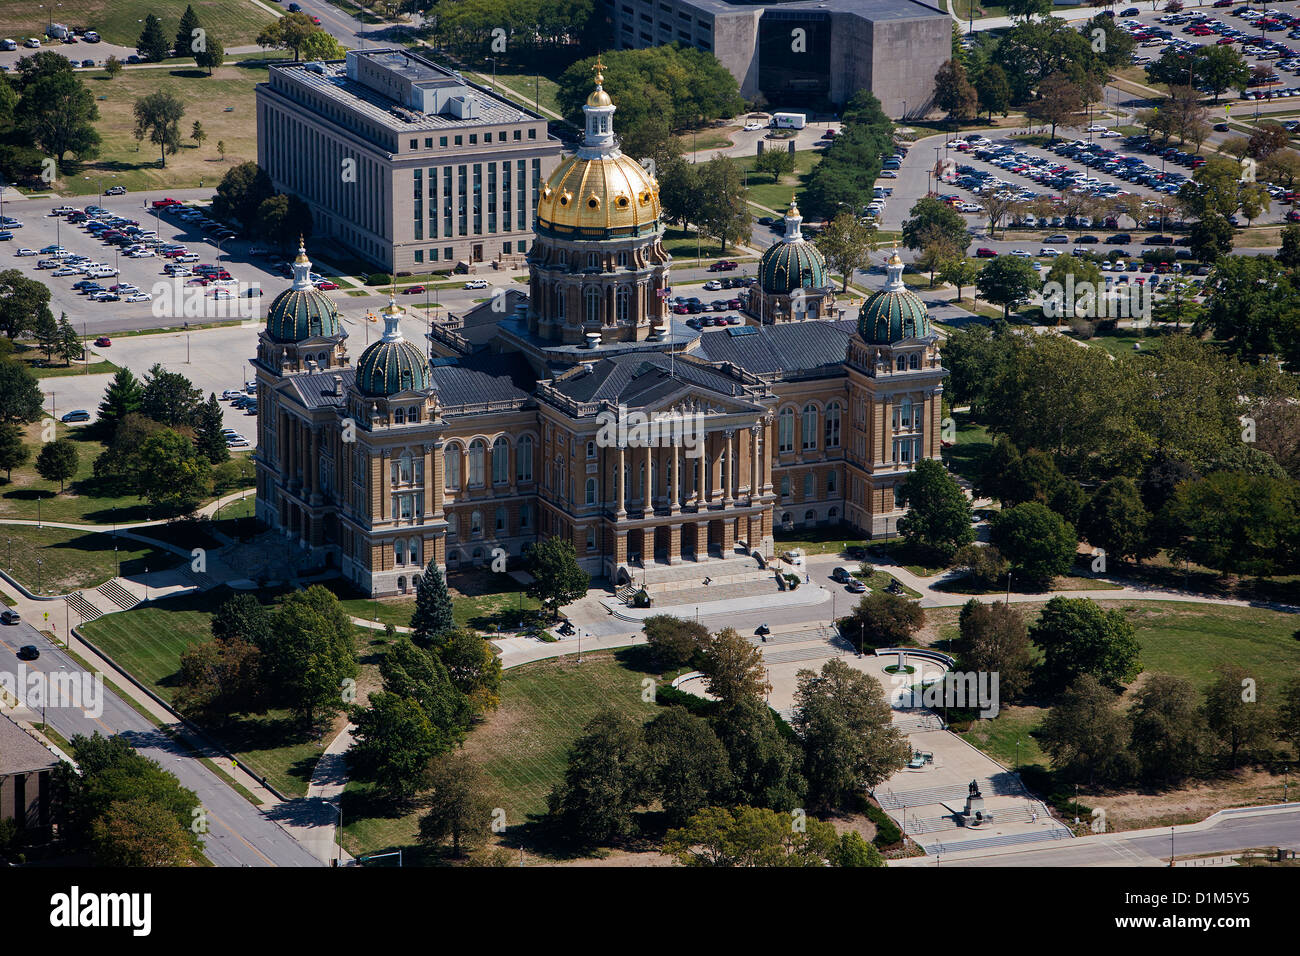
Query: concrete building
[522, 425]
[404, 161]
[805, 53]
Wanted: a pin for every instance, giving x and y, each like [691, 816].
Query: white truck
[789, 120]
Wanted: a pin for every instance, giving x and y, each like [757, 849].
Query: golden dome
[599, 97]
[611, 193]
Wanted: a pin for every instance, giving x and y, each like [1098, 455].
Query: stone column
[729, 489]
[647, 487]
[702, 540]
[766, 460]
[675, 544]
[621, 512]
[728, 536]
[675, 487]
[464, 470]
[754, 468]
[620, 548]
[385, 485]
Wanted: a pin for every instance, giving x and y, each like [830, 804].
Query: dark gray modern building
[403, 160]
[806, 53]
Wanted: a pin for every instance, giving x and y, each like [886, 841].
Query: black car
[9, 616]
[28, 652]
[1119, 239]
[841, 575]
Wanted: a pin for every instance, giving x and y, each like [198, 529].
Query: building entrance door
[476, 252]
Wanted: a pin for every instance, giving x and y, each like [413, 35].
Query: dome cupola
[302, 311]
[794, 262]
[391, 365]
[895, 312]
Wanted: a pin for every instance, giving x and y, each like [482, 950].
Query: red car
[1293, 216]
[411, 290]
[164, 203]
[103, 342]
[326, 285]
[725, 265]
[1223, 41]
[984, 252]
[316, 20]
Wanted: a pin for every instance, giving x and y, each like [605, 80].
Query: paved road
[239, 834]
[1222, 833]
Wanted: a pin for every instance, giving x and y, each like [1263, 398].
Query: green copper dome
[392, 364]
[895, 313]
[793, 263]
[302, 311]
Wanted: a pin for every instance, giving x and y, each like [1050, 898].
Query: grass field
[73, 559]
[523, 747]
[1006, 737]
[1121, 342]
[776, 196]
[148, 641]
[966, 456]
[124, 162]
[234, 22]
[477, 599]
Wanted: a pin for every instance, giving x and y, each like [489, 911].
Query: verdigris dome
[392, 364]
[302, 311]
[793, 263]
[894, 313]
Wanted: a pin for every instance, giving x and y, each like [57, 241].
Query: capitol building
[491, 435]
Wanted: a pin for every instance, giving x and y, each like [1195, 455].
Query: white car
[227, 395]
[138, 297]
[751, 127]
[239, 442]
[141, 254]
[25, 252]
[32, 43]
[888, 174]
[1049, 252]
[476, 284]
[65, 271]
[1111, 134]
[712, 285]
[1021, 254]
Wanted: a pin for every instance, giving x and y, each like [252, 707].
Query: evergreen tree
[433, 613]
[185, 32]
[152, 44]
[47, 334]
[13, 453]
[69, 346]
[208, 425]
[122, 397]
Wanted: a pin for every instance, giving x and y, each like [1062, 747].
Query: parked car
[476, 284]
[77, 415]
[10, 616]
[413, 290]
[841, 575]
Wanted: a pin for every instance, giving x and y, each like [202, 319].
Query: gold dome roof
[602, 194]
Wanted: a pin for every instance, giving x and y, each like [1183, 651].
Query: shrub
[378, 278]
[887, 832]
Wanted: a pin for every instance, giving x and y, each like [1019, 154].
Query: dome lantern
[302, 311]
[895, 313]
[392, 364]
[599, 111]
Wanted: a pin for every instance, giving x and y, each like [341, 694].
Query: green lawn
[1121, 342]
[523, 747]
[776, 196]
[148, 641]
[69, 560]
[973, 442]
[831, 539]
[998, 737]
[124, 162]
[234, 22]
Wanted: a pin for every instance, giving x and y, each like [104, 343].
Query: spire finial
[600, 70]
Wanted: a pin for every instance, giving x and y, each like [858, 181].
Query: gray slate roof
[461, 385]
[784, 347]
[316, 389]
[20, 753]
[642, 379]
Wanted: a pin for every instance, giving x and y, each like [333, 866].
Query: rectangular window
[433, 202]
[460, 140]
[419, 204]
[506, 248]
[809, 487]
[487, 137]
[446, 201]
[517, 136]
[428, 142]
[478, 198]
[473, 139]
[521, 186]
[419, 255]
[785, 486]
[462, 199]
[532, 134]
[492, 197]
[415, 144]
[442, 141]
[448, 254]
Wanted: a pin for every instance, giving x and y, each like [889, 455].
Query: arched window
[591, 491]
[413, 551]
[833, 425]
[476, 524]
[452, 525]
[399, 552]
[499, 519]
[500, 462]
[914, 361]
[621, 301]
[785, 430]
[524, 459]
[592, 298]
[561, 294]
[477, 452]
[810, 516]
[809, 427]
[902, 363]
[401, 584]
[451, 468]
[399, 416]
[404, 467]
[833, 514]
[591, 450]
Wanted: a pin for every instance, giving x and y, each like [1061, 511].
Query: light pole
[39, 562]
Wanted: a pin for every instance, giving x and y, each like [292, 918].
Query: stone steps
[118, 595]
